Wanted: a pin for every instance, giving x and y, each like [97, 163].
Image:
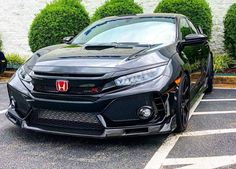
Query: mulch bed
[229, 71]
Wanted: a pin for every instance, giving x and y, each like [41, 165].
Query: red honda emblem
[62, 85]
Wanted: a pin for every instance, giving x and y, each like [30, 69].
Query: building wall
[17, 15]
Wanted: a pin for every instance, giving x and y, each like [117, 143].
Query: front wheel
[183, 104]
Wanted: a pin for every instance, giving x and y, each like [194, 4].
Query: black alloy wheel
[183, 104]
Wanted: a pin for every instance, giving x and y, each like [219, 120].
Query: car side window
[193, 28]
[190, 51]
[184, 28]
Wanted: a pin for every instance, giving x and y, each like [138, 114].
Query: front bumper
[138, 130]
[116, 112]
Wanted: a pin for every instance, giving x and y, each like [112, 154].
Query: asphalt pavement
[4, 101]
[209, 142]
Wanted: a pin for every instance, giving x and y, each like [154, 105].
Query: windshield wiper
[101, 46]
[143, 51]
[136, 44]
[125, 43]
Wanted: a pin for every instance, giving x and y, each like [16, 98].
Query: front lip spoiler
[108, 132]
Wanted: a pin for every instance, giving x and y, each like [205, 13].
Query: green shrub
[230, 31]
[15, 60]
[57, 20]
[222, 62]
[198, 11]
[0, 43]
[116, 8]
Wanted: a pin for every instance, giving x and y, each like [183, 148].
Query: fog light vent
[145, 113]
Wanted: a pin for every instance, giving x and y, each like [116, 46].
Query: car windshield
[138, 31]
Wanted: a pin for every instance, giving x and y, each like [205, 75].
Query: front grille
[76, 86]
[80, 122]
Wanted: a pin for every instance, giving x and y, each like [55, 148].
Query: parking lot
[209, 142]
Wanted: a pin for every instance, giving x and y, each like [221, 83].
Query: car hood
[67, 59]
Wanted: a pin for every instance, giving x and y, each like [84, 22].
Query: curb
[4, 78]
[7, 74]
[225, 80]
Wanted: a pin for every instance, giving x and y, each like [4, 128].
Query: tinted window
[184, 28]
[143, 30]
[193, 28]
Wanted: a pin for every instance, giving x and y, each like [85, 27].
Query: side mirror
[192, 39]
[68, 39]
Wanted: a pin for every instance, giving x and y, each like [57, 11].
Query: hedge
[116, 8]
[57, 20]
[230, 31]
[0, 43]
[198, 11]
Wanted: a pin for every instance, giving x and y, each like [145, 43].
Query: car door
[203, 55]
[192, 54]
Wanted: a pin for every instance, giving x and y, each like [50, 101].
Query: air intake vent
[80, 121]
[78, 117]
[159, 105]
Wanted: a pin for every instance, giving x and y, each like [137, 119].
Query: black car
[3, 62]
[121, 76]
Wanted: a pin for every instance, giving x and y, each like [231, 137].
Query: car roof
[168, 15]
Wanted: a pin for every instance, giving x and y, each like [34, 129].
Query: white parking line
[222, 88]
[217, 100]
[214, 112]
[3, 111]
[160, 158]
[201, 162]
[161, 154]
[208, 132]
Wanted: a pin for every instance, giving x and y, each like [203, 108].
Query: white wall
[17, 15]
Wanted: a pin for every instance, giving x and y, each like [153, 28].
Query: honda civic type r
[121, 76]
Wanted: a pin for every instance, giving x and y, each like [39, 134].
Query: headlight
[140, 77]
[23, 75]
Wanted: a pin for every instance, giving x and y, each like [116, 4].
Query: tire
[183, 104]
[210, 77]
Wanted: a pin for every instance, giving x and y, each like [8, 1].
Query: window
[184, 28]
[193, 28]
[143, 30]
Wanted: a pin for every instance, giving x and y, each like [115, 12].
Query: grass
[222, 62]
[14, 60]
